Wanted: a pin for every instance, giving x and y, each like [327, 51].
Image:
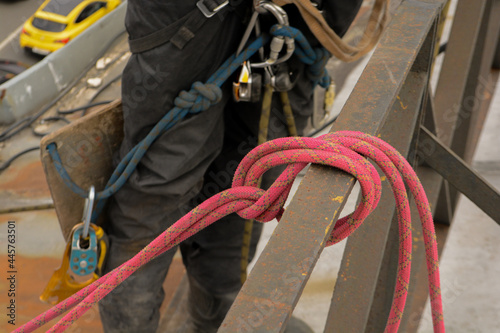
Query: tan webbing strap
[377, 22]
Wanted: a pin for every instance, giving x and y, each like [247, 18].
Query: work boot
[207, 311]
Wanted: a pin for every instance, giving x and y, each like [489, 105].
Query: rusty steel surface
[452, 168]
[462, 52]
[361, 264]
[369, 295]
[479, 17]
[86, 148]
[274, 286]
[466, 50]
[469, 105]
[487, 80]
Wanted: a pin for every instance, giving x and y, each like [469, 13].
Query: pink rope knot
[347, 151]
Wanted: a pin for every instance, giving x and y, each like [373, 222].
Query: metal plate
[86, 148]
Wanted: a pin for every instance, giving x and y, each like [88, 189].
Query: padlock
[63, 283]
[249, 85]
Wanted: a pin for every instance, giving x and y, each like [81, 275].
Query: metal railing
[392, 99]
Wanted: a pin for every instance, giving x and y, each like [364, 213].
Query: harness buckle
[210, 12]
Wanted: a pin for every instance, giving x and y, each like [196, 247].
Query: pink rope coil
[343, 150]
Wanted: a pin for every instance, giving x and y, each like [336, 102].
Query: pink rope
[342, 150]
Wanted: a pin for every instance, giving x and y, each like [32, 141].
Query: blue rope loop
[315, 58]
[317, 72]
[199, 98]
[56, 159]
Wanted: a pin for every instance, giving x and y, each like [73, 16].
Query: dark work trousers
[187, 164]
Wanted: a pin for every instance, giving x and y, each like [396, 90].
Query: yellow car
[57, 22]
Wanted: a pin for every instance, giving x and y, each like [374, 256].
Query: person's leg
[134, 305]
[171, 172]
[212, 256]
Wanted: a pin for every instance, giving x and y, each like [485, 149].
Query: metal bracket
[452, 168]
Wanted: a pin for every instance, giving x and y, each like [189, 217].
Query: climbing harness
[83, 258]
[343, 150]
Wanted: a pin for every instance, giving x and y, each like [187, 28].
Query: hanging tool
[248, 87]
[83, 258]
[84, 242]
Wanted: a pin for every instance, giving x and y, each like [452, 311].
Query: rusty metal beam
[456, 98]
[472, 115]
[371, 254]
[460, 65]
[364, 252]
[464, 48]
[452, 168]
[274, 286]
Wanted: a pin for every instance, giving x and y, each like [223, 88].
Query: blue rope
[199, 98]
[315, 58]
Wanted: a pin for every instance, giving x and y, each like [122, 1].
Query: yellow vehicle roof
[59, 7]
[61, 11]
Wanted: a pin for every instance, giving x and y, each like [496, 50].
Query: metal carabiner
[87, 211]
[277, 42]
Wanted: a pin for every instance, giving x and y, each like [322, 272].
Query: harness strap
[377, 22]
[188, 30]
[181, 31]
